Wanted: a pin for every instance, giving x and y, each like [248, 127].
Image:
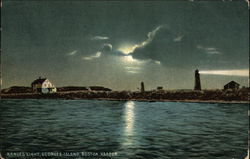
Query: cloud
[209, 50]
[164, 46]
[119, 53]
[97, 55]
[106, 48]
[130, 60]
[247, 3]
[171, 49]
[178, 38]
[130, 69]
[213, 52]
[157, 62]
[72, 53]
[99, 38]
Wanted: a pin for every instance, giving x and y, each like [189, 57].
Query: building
[159, 88]
[142, 87]
[43, 85]
[232, 85]
[197, 84]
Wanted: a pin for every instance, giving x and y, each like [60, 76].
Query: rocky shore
[211, 96]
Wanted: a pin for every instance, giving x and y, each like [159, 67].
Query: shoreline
[143, 100]
[166, 100]
[187, 97]
[181, 101]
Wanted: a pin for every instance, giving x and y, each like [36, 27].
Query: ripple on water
[133, 129]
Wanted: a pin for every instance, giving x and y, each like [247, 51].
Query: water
[129, 130]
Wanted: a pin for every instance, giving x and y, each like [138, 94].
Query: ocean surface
[79, 129]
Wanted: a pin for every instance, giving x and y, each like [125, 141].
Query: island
[101, 93]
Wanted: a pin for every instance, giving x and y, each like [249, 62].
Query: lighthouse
[197, 85]
[142, 87]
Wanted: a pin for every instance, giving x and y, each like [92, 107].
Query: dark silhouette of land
[230, 93]
[73, 92]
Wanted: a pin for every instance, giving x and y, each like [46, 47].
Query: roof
[232, 82]
[39, 81]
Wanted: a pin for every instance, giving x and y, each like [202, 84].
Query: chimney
[142, 87]
[197, 85]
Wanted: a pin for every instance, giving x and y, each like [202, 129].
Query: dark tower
[197, 85]
[142, 87]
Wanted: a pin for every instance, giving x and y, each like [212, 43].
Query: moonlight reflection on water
[129, 122]
[132, 129]
[129, 117]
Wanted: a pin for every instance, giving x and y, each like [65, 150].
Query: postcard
[124, 79]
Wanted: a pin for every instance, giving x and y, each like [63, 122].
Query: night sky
[118, 44]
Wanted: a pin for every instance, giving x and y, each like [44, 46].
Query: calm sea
[124, 130]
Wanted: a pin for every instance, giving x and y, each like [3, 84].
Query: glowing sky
[119, 44]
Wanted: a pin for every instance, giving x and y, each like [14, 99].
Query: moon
[126, 49]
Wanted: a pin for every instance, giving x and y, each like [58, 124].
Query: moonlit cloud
[72, 53]
[132, 65]
[97, 55]
[208, 50]
[151, 35]
[99, 38]
[163, 46]
[213, 52]
[133, 69]
[243, 72]
[158, 62]
[129, 59]
[178, 38]
[107, 48]
[247, 2]
[127, 49]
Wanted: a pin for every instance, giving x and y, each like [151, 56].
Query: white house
[43, 85]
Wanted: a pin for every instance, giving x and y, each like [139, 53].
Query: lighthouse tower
[197, 85]
[142, 87]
